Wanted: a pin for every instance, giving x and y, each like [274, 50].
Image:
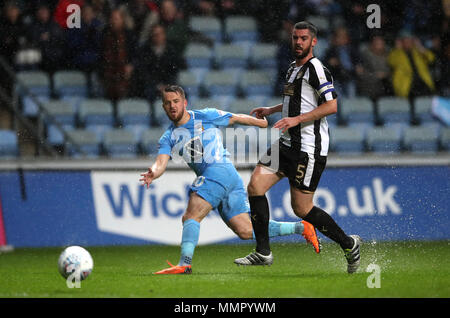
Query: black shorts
[301, 168]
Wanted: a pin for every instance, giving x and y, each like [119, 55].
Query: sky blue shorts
[222, 186]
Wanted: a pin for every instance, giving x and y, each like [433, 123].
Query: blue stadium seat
[422, 109]
[120, 143]
[384, 140]
[86, 140]
[198, 56]
[190, 81]
[70, 83]
[207, 25]
[444, 139]
[221, 83]
[242, 106]
[394, 110]
[133, 111]
[35, 82]
[421, 139]
[96, 112]
[30, 106]
[231, 56]
[60, 111]
[241, 28]
[150, 139]
[9, 145]
[55, 136]
[356, 110]
[219, 102]
[347, 140]
[256, 83]
[264, 56]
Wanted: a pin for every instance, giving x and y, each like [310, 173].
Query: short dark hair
[307, 25]
[175, 89]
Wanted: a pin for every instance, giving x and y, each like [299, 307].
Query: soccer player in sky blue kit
[194, 136]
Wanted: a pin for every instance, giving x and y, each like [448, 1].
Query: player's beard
[178, 117]
[304, 53]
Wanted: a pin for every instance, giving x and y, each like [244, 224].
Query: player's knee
[253, 187]
[245, 233]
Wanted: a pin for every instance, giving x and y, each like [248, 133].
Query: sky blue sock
[283, 228]
[189, 240]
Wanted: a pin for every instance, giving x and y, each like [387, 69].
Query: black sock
[259, 212]
[328, 227]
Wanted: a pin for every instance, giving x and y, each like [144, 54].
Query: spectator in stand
[46, 35]
[116, 55]
[410, 63]
[12, 31]
[102, 9]
[179, 34]
[375, 78]
[83, 44]
[142, 14]
[343, 60]
[157, 65]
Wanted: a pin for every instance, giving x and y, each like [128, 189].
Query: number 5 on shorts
[300, 173]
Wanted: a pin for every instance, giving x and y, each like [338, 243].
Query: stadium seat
[321, 22]
[198, 56]
[55, 136]
[444, 139]
[346, 140]
[242, 106]
[231, 56]
[120, 143]
[356, 110]
[150, 139]
[241, 28]
[383, 140]
[421, 139]
[133, 111]
[99, 130]
[190, 81]
[86, 140]
[221, 83]
[422, 109]
[321, 48]
[219, 102]
[70, 83]
[30, 106]
[96, 112]
[35, 82]
[256, 83]
[9, 146]
[394, 110]
[208, 26]
[264, 56]
[60, 111]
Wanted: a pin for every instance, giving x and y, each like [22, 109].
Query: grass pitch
[408, 269]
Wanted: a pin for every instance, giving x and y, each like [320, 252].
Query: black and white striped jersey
[307, 87]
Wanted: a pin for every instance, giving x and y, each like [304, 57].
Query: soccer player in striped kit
[301, 152]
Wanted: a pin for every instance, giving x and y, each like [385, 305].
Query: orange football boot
[186, 269]
[309, 233]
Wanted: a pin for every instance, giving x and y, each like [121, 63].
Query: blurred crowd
[136, 47]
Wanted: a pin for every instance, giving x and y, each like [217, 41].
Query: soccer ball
[75, 260]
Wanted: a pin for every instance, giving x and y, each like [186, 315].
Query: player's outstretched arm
[262, 112]
[156, 170]
[325, 109]
[248, 120]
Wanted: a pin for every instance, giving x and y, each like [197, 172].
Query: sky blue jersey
[199, 141]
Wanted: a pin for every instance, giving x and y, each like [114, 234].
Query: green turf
[408, 269]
